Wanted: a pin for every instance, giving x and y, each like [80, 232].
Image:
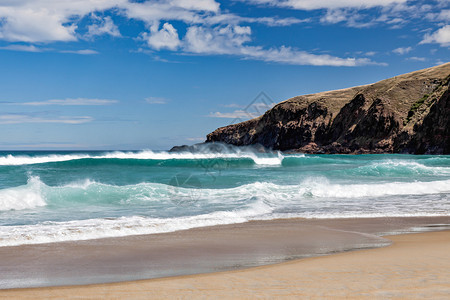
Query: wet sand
[416, 262]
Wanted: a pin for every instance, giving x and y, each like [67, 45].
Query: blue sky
[121, 74]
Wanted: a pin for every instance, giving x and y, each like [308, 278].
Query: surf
[67, 196]
[36, 193]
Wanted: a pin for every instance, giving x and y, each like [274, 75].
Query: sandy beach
[413, 266]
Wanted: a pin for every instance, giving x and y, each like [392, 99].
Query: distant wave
[400, 167]
[388, 167]
[262, 159]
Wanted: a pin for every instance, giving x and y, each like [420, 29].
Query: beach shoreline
[207, 250]
[414, 266]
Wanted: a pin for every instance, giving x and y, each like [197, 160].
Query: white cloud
[402, 50]
[327, 4]
[71, 102]
[47, 21]
[33, 48]
[106, 26]
[82, 51]
[232, 19]
[204, 5]
[23, 118]
[354, 13]
[441, 36]
[156, 100]
[24, 48]
[443, 15]
[415, 58]
[231, 39]
[334, 16]
[218, 40]
[237, 114]
[152, 12]
[167, 38]
[292, 56]
[273, 21]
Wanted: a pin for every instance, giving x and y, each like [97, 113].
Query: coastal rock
[409, 113]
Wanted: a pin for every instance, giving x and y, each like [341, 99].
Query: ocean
[58, 196]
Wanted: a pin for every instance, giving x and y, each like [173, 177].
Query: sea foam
[23, 197]
[50, 232]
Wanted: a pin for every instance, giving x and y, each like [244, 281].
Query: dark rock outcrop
[409, 113]
[432, 135]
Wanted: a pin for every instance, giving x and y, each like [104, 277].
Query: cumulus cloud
[334, 16]
[232, 40]
[167, 38]
[402, 50]
[210, 31]
[441, 36]
[105, 26]
[41, 21]
[218, 40]
[44, 21]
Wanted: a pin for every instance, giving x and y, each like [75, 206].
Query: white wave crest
[268, 159]
[11, 160]
[36, 193]
[412, 167]
[321, 187]
[22, 197]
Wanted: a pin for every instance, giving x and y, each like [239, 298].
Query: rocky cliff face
[405, 114]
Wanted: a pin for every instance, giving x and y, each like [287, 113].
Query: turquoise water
[61, 196]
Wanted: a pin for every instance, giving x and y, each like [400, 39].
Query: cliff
[409, 113]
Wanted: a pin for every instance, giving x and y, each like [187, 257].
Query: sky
[132, 75]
